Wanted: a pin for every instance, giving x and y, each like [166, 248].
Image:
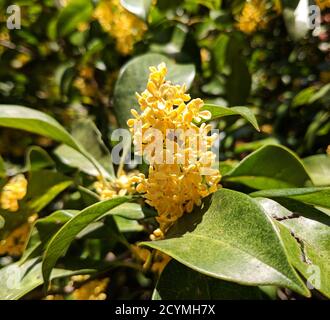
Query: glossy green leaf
[18, 280]
[140, 8]
[317, 196]
[34, 121]
[133, 78]
[177, 282]
[270, 167]
[307, 242]
[127, 225]
[42, 231]
[318, 167]
[90, 138]
[233, 240]
[61, 241]
[76, 11]
[75, 159]
[220, 111]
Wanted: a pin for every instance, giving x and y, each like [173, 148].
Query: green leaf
[127, 225]
[133, 78]
[90, 138]
[38, 159]
[75, 159]
[318, 167]
[45, 228]
[303, 97]
[238, 84]
[74, 13]
[140, 8]
[317, 196]
[177, 282]
[34, 121]
[310, 95]
[61, 241]
[307, 242]
[42, 231]
[42, 191]
[233, 240]
[2, 168]
[18, 280]
[270, 167]
[220, 111]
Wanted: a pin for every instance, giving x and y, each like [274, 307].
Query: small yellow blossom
[328, 150]
[122, 25]
[14, 244]
[173, 188]
[158, 262]
[323, 4]
[92, 290]
[253, 16]
[12, 192]
[123, 185]
[85, 82]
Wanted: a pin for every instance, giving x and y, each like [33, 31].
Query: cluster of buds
[12, 192]
[253, 16]
[166, 134]
[122, 25]
[121, 186]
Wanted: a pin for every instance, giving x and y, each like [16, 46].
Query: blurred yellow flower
[323, 4]
[14, 244]
[125, 27]
[173, 187]
[12, 192]
[253, 16]
[92, 290]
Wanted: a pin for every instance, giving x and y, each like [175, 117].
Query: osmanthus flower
[253, 16]
[91, 290]
[181, 175]
[122, 25]
[124, 184]
[87, 289]
[323, 4]
[14, 244]
[12, 192]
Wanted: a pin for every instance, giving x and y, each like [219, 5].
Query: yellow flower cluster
[14, 244]
[173, 188]
[124, 184]
[159, 259]
[12, 192]
[85, 82]
[125, 27]
[253, 16]
[323, 4]
[92, 290]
